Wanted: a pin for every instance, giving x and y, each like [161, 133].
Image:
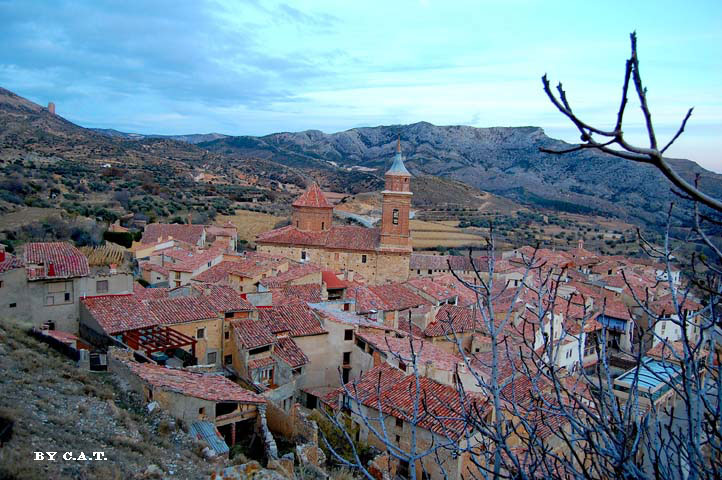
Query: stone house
[193, 397]
[46, 284]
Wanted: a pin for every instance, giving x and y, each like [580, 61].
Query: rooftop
[215, 388]
[312, 197]
[47, 261]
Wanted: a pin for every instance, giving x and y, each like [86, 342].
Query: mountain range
[505, 161]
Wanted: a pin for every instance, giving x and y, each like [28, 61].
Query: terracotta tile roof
[288, 351]
[452, 319]
[389, 297]
[260, 363]
[665, 305]
[197, 260]
[426, 351]
[54, 260]
[674, 351]
[339, 237]
[252, 333]
[152, 267]
[312, 197]
[176, 253]
[290, 235]
[349, 237]
[294, 272]
[11, 262]
[219, 272]
[214, 388]
[382, 377]
[142, 293]
[616, 309]
[154, 232]
[295, 293]
[441, 410]
[119, 313]
[223, 298]
[181, 309]
[332, 281]
[442, 288]
[298, 319]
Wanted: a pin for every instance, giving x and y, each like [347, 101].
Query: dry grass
[26, 216]
[104, 255]
[250, 224]
[441, 234]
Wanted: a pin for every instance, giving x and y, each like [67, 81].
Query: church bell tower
[395, 233]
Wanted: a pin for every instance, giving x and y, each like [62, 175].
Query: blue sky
[260, 67]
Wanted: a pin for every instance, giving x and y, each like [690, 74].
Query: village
[246, 345]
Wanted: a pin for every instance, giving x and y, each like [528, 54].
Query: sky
[258, 67]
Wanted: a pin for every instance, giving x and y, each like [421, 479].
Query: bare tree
[530, 413]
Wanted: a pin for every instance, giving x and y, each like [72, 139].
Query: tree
[530, 412]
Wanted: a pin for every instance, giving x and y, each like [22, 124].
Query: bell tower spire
[395, 234]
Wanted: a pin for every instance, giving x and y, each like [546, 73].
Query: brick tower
[396, 205]
[311, 211]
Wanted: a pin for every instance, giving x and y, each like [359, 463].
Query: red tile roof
[219, 272]
[197, 260]
[10, 263]
[260, 363]
[312, 197]
[252, 333]
[223, 298]
[181, 309]
[332, 281]
[451, 319]
[119, 313]
[295, 293]
[298, 319]
[294, 272]
[54, 260]
[142, 293]
[420, 261]
[152, 267]
[389, 297]
[214, 388]
[426, 351]
[443, 287]
[154, 232]
[288, 351]
[441, 410]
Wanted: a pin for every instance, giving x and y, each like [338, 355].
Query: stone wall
[292, 425]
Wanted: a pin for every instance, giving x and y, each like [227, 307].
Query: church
[380, 255]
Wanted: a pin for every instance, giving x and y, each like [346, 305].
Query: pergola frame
[157, 338]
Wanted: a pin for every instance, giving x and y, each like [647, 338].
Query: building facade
[380, 255]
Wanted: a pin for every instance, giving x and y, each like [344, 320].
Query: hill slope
[502, 160]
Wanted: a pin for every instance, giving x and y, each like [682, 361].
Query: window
[1, 284]
[346, 358]
[335, 256]
[211, 357]
[399, 423]
[67, 297]
[201, 411]
[303, 254]
[209, 264]
[348, 334]
[296, 223]
[255, 351]
[363, 258]
[228, 359]
[49, 300]
[177, 275]
[398, 439]
[227, 335]
[12, 305]
[346, 373]
[201, 333]
[429, 272]
[229, 314]
[395, 216]
[323, 225]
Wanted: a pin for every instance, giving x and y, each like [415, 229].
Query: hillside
[503, 160]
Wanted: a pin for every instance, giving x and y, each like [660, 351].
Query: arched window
[395, 216]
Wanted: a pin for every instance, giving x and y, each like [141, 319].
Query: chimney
[190, 219]
[2, 252]
[51, 107]
[113, 268]
[51, 269]
[581, 244]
